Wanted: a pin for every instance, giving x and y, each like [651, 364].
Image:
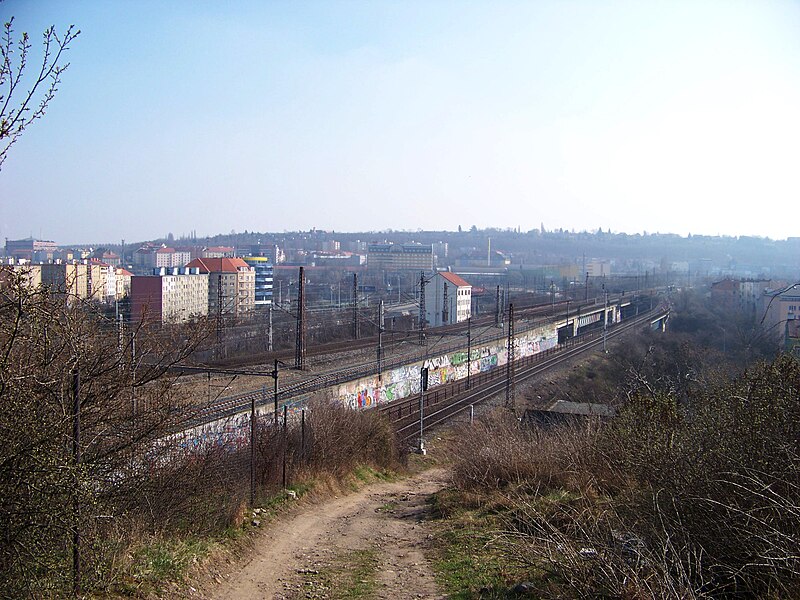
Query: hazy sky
[269, 116]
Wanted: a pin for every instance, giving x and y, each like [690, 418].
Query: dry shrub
[589, 551]
[497, 452]
[198, 492]
[341, 438]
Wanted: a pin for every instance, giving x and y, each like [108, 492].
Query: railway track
[483, 331]
[401, 336]
[445, 402]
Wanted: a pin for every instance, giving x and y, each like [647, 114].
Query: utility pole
[469, 350]
[586, 287]
[133, 375]
[355, 306]
[444, 305]
[120, 340]
[269, 332]
[423, 385]
[605, 318]
[253, 446]
[300, 341]
[422, 315]
[510, 399]
[275, 391]
[380, 340]
[219, 316]
[497, 307]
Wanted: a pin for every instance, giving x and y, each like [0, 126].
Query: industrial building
[448, 299]
[399, 257]
[31, 250]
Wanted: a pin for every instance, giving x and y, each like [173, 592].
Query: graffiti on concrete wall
[404, 381]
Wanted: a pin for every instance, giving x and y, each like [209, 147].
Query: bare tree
[25, 94]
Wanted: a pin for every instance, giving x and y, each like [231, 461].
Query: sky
[212, 117]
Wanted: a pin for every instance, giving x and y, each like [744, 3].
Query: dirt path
[384, 521]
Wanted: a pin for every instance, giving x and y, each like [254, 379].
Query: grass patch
[160, 561]
[388, 507]
[367, 474]
[467, 562]
[351, 575]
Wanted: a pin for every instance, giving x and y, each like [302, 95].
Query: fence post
[303, 435]
[76, 455]
[471, 414]
[253, 446]
[285, 444]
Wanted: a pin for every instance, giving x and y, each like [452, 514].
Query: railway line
[400, 336]
[483, 330]
[444, 402]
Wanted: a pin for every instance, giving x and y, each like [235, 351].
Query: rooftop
[455, 279]
[219, 265]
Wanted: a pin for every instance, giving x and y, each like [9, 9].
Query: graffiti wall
[404, 381]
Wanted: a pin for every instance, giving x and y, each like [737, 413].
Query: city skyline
[678, 118]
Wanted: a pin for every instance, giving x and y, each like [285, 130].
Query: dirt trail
[387, 518]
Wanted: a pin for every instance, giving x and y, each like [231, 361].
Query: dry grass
[670, 500]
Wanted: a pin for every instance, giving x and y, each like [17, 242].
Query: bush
[679, 496]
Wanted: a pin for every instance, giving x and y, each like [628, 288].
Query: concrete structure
[271, 251]
[144, 258]
[112, 259]
[231, 285]
[150, 257]
[68, 279]
[263, 278]
[448, 299]
[399, 257]
[563, 412]
[169, 296]
[31, 250]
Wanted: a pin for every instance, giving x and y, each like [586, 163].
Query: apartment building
[76, 280]
[169, 295]
[231, 285]
[150, 257]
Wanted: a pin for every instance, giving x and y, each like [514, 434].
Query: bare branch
[18, 113]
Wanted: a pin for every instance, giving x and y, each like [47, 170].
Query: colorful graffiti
[404, 381]
[395, 384]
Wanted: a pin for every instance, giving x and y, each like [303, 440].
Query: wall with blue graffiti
[404, 381]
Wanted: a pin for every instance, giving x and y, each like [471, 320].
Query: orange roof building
[448, 299]
[231, 285]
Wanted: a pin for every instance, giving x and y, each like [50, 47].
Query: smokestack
[489, 254]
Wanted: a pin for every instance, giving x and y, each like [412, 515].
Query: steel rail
[407, 426]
